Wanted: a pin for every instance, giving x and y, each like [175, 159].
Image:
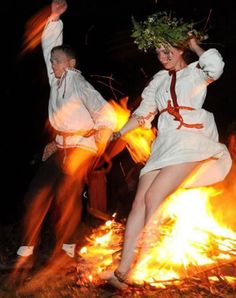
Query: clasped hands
[104, 136]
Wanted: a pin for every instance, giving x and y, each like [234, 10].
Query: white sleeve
[211, 64]
[101, 111]
[52, 36]
[147, 109]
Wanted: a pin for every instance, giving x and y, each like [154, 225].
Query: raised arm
[194, 46]
[210, 61]
[58, 7]
[53, 33]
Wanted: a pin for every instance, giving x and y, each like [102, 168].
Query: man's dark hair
[67, 49]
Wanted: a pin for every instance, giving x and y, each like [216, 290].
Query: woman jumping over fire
[187, 143]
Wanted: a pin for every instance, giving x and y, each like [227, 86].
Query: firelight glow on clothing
[74, 104]
[175, 146]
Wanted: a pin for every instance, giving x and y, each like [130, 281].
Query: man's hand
[101, 137]
[58, 7]
[49, 149]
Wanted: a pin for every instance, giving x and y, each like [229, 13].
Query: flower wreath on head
[161, 29]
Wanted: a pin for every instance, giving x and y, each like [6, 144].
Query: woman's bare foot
[115, 279]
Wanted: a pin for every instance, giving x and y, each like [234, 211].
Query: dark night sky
[100, 32]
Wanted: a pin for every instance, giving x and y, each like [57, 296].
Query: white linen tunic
[175, 146]
[74, 104]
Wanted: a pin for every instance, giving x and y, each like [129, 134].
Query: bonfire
[185, 246]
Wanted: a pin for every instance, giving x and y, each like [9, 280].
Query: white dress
[175, 145]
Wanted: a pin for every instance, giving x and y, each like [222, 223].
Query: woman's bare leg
[168, 180]
[135, 222]
[153, 188]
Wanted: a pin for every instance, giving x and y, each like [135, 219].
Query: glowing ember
[184, 239]
[101, 251]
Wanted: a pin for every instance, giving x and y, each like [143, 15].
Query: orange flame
[64, 193]
[185, 238]
[34, 28]
[101, 250]
[189, 238]
[138, 141]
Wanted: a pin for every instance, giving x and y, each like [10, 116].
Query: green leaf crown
[160, 29]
